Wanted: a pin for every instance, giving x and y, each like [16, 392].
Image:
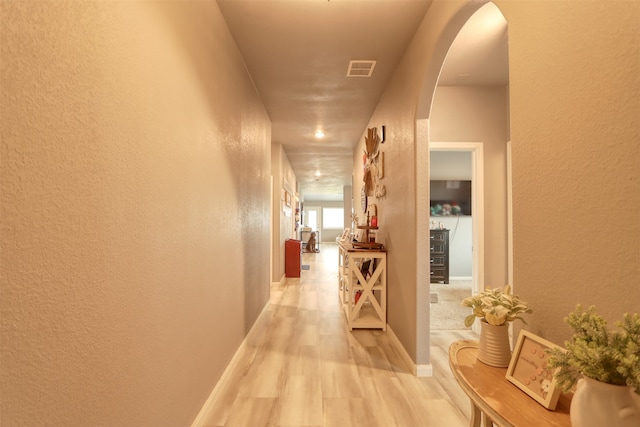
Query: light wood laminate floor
[300, 366]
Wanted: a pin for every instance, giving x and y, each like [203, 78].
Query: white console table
[363, 286]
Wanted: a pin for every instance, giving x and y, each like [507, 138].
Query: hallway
[300, 366]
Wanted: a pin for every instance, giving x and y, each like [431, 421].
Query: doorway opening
[456, 106]
[312, 220]
[455, 162]
[477, 106]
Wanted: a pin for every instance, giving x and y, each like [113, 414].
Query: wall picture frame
[287, 198]
[528, 369]
[345, 235]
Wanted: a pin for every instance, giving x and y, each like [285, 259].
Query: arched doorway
[435, 108]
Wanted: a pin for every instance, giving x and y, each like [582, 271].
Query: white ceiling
[298, 51]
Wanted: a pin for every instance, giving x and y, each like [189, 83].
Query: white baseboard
[417, 370]
[460, 278]
[424, 370]
[206, 408]
[281, 282]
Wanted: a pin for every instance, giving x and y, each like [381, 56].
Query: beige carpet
[447, 313]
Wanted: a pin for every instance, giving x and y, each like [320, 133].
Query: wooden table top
[497, 397]
[349, 247]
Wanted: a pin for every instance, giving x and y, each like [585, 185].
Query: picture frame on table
[528, 369]
[345, 235]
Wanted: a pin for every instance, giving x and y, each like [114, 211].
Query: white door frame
[509, 215]
[477, 205]
[423, 218]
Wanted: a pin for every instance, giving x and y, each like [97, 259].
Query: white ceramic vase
[494, 349]
[597, 404]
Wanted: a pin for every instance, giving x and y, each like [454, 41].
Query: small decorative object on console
[495, 307]
[605, 365]
[530, 372]
[612, 357]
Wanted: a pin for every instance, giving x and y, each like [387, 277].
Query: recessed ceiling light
[317, 173]
[319, 134]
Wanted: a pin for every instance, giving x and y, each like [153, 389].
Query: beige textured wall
[282, 222]
[575, 80]
[134, 240]
[397, 210]
[396, 218]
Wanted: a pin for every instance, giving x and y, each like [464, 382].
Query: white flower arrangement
[496, 307]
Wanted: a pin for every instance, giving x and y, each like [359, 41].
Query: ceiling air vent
[361, 68]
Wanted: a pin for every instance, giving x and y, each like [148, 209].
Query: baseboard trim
[224, 378]
[416, 370]
[424, 370]
[281, 282]
[460, 278]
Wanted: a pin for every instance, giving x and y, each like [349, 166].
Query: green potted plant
[612, 357]
[495, 308]
[604, 364]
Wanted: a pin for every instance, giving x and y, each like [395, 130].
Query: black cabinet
[439, 245]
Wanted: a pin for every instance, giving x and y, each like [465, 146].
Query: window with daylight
[332, 218]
